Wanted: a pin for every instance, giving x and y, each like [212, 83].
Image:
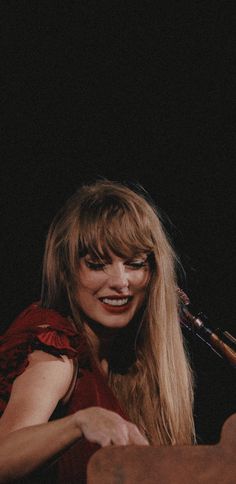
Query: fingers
[118, 435]
[135, 437]
[129, 434]
[108, 428]
[126, 434]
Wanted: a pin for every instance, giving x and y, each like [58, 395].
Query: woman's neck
[100, 338]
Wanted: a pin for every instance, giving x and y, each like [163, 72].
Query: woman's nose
[118, 277]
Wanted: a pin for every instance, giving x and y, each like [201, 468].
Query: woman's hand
[105, 428]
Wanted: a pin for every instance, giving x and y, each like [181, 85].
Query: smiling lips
[115, 303]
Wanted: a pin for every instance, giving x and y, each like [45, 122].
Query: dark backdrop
[139, 91]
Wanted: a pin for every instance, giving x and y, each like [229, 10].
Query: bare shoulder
[35, 393]
[40, 360]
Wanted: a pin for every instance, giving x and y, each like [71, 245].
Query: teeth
[115, 302]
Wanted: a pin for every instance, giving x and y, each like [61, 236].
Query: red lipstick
[116, 309]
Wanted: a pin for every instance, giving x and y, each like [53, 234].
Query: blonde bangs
[104, 231]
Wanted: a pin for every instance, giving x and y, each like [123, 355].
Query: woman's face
[111, 292]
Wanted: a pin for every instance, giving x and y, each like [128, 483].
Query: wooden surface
[205, 464]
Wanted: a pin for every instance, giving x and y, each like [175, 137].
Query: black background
[131, 91]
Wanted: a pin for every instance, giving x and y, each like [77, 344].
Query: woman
[101, 355]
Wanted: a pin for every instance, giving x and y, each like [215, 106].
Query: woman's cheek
[144, 279]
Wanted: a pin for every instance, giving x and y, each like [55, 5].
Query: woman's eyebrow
[97, 257]
[142, 255]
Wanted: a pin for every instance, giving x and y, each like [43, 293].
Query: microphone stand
[221, 342]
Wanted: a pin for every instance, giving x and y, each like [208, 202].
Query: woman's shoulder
[36, 328]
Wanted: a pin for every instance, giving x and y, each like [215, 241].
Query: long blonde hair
[154, 386]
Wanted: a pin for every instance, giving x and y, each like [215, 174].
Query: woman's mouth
[116, 304]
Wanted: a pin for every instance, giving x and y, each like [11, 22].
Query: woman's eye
[95, 266]
[137, 264]
[98, 266]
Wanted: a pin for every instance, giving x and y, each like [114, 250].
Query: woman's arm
[28, 441]
[34, 396]
[29, 448]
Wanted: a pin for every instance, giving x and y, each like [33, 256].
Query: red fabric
[47, 330]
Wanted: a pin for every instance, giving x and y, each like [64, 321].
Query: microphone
[221, 342]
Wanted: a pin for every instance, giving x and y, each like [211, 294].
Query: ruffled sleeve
[36, 328]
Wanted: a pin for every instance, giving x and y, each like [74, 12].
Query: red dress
[45, 329]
